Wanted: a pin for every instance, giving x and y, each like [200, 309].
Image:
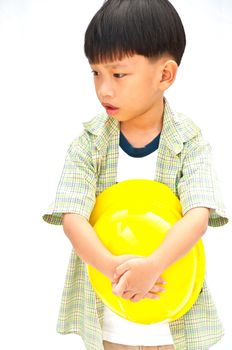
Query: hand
[137, 278]
[117, 260]
[157, 288]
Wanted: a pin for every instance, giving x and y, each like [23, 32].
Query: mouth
[110, 109]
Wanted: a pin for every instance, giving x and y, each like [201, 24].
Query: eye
[119, 75]
[116, 75]
[94, 72]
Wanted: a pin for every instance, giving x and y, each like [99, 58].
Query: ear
[168, 74]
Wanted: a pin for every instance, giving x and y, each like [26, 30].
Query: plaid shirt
[184, 164]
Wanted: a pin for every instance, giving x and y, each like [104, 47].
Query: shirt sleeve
[77, 186]
[198, 185]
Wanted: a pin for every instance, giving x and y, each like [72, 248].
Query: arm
[183, 235]
[87, 245]
[135, 278]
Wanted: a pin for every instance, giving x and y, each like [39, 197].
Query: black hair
[125, 27]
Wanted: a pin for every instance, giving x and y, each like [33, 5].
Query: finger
[156, 289]
[128, 295]
[120, 288]
[120, 270]
[115, 280]
[137, 297]
[160, 280]
[150, 295]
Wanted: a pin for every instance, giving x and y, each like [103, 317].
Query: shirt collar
[177, 129]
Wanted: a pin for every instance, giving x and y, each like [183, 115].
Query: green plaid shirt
[184, 164]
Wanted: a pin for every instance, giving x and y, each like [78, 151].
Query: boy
[134, 48]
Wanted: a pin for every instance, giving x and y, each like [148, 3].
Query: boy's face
[134, 85]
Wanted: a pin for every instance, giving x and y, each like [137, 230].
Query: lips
[110, 109]
[109, 106]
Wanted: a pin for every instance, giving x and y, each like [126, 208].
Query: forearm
[181, 238]
[87, 244]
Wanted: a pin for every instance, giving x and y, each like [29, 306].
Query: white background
[46, 92]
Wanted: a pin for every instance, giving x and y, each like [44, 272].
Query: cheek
[133, 88]
[142, 92]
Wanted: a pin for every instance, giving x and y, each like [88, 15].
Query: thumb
[119, 288]
[120, 270]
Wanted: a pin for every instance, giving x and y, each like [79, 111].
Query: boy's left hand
[135, 278]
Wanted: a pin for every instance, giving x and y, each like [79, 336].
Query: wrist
[109, 266]
[156, 262]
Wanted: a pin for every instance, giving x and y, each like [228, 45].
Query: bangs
[102, 53]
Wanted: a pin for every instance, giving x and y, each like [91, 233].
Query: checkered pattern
[184, 164]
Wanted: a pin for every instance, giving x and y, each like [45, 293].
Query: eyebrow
[115, 65]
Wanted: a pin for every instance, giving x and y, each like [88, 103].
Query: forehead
[126, 62]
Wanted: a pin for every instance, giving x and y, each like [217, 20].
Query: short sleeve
[198, 185]
[77, 186]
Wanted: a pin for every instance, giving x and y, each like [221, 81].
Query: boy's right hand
[157, 288]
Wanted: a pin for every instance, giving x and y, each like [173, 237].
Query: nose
[105, 89]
